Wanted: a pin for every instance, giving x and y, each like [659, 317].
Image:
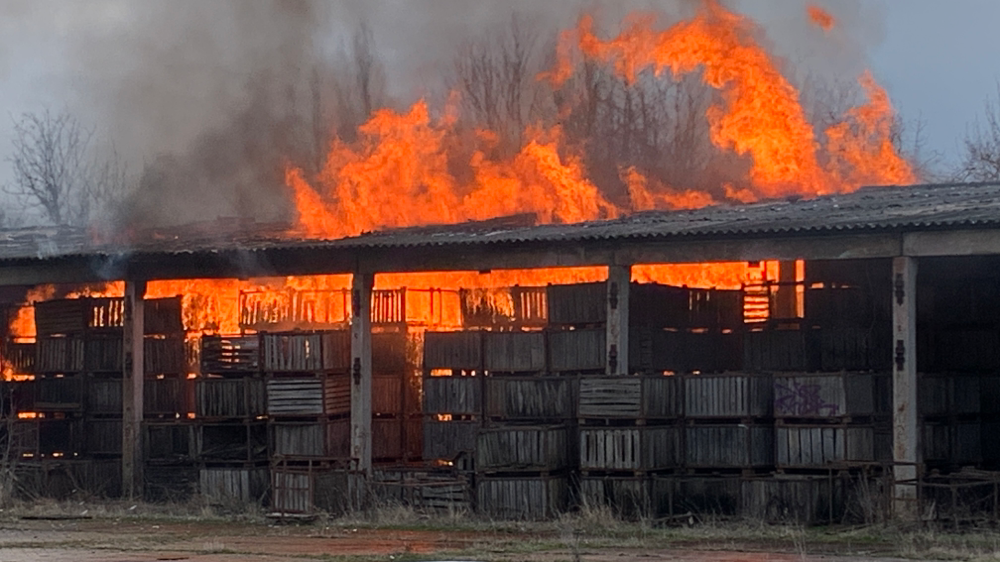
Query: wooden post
[133, 330]
[619, 282]
[361, 379]
[905, 429]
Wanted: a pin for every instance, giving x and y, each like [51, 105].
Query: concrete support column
[133, 372]
[361, 373]
[619, 282]
[905, 427]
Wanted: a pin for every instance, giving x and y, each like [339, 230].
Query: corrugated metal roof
[911, 208]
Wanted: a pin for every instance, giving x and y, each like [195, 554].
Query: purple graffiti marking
[801, 400]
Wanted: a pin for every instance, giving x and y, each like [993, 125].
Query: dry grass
[569, 537]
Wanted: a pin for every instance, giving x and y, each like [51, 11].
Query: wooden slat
[453, 350]
[630, 448]
[528, 497]
[531, 398]
[523, 448]
[453, 395]
[647, 397]
[511, 352]
[733, 395]
[576, 350]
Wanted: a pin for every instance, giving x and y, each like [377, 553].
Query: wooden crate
[165, 356]
[62, 479]
[577, 350]
[966, 349]
[806, 446]
[729, 446]
[104, 396]
[715, 308]
[656, 306]
[953, 443]
[103, 354]
[441, 491]
[60, 393]
[388, 439]
[531, 398]
[230, 354]
[453, 395]
[577, 304]
[168, 397]
[627, 497]
[234, 485]
[733, 395]
[172, 442]
[309, 396]
[658, 351]
[59, 355]
[104, 436]
[840, 306]
[390, 353]
[388, 393]
[231, 442]
[522, 497]
[320, 439]
[447, 440]
[170, 482]
[230, 398]
[296, 490]
[453, 350]
[524, 448]
[851, 348]
[20, 357]
[61, 317]
[306, 351]
[778, 350]
[716, 495]
[164, 316]
[514, 352]
[643, 397]
[793, 499]
[953, 394]
[838, 395]
[630, 448]
[63, 437]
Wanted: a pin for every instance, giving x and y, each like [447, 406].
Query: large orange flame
[418, 167]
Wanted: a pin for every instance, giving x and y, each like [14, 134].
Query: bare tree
[359, 84]
[496, 78]
[981, 156]
[56, 173]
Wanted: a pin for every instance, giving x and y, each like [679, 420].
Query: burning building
[457, 323]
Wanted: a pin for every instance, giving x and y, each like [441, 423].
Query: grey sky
[935, 58]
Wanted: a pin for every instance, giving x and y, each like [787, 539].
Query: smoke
[208, 101]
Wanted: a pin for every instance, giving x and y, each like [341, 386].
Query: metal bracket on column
[355, 301]
[613, 296]
[613, 357]
[900, 289]
[900, 355]
[356, 370]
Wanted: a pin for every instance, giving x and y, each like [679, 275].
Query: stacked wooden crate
[524, 452]
[69, 411]
[628, 435]
[452, 397]
[308, 394]
[958, 417]
[831, 421]
[729, 423]
[231, 432]
[309, 408]
[397, 434]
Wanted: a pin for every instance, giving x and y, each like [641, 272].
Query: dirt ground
[140, 539]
